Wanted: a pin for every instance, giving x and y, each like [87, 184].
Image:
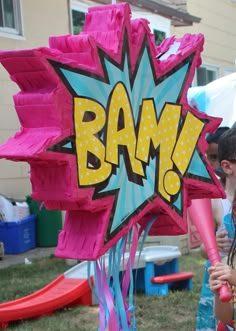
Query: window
[78, 18]
[206, 74]
[10, 17]
[228, 71]
[160, 26]
[78, 11]
[159, 36]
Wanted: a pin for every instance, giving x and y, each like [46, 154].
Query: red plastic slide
[73, 288]
[61, 292]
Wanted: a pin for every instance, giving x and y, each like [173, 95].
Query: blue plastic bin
[18, 236]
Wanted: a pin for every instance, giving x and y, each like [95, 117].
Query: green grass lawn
[174, 312]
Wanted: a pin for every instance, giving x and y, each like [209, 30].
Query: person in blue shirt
[206, 320]
[225, 272]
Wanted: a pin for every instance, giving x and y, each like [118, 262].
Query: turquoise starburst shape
[141, 155]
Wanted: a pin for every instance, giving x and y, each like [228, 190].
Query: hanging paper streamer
[113, 276]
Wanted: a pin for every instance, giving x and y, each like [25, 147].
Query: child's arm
[221, 274]
[223, 243]
[223, 310]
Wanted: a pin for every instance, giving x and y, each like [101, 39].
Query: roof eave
[177, 17]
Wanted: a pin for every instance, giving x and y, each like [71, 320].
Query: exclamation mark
[187, 142]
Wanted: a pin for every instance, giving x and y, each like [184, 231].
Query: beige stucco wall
[41, 19]
[218, 25]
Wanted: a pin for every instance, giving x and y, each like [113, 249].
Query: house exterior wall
[40, 19]
[45, 18]
[218, 25]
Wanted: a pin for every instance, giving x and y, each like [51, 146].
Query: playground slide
[71, 288]
[63, 291]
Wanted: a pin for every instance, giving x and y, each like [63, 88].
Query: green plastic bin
[48, 223]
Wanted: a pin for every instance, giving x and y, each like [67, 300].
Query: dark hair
[214, 137]
[227, 146]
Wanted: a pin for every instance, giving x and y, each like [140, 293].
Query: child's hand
[215, 282]
[223, 241]
[221, 274]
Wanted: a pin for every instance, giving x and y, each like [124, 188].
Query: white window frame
[18, 30]
[156, 22]
[228, 71]
[76, 5]
[211, 67]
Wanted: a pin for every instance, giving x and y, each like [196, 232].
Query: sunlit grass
[174, 312]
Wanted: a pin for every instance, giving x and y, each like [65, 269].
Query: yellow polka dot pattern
[187, 141]
[125, 136]
[162, 133]
[86, 141]
[172, 182]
